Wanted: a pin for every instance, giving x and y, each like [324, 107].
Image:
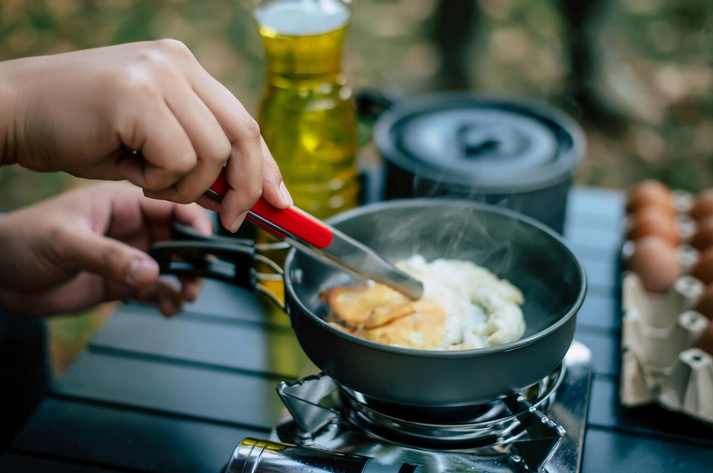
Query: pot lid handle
[476, 141]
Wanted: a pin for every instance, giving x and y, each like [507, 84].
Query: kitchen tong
[299, 229]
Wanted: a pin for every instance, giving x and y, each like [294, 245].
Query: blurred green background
[637, 74]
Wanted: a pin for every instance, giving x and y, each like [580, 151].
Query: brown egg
[703, 238]
[654, 261]
[650, 193]
[703, 270]
[705, 304]
[703, 205]
[653, 220]
[705, 341]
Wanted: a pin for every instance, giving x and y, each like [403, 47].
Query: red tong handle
[292, 220]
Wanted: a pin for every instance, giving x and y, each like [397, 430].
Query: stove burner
[539, 429]
[418, 414]
[450, 428]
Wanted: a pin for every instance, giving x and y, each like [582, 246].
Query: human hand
[88, 246]
[78, 112]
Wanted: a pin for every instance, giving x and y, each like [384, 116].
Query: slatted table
[157, 395]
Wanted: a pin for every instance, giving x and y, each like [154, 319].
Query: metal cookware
[513, 246]
[511, 152]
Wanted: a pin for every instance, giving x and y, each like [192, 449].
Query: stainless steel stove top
[541, 428]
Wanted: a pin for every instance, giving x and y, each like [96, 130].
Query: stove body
[540, 429]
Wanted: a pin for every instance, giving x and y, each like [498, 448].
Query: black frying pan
[514, 247]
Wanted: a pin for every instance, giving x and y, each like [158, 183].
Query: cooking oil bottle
[307, 114]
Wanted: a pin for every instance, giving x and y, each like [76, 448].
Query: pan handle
[225, 259]
[233, 264]
[184, 232]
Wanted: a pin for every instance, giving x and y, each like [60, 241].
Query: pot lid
[486, 145]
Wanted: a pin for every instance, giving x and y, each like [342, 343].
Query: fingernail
[237, 222]
[176, 306]
[197, 288]
[143, 271]
[190, 292]
[285, 193]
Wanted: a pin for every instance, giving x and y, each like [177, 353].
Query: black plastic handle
[371, 103]
[476, 142]
[195, 255]
[184, 232]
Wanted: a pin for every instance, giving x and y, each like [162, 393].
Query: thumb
[109, 258]
[273, 187]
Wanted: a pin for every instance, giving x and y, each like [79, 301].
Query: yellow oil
[307, 114]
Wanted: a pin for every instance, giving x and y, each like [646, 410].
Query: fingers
[189, 127]
[164, 294]
[168, 153]
[245, 167]
[88, 290]
[159, 217]
[211, 145]
[82, 250]
[273, 187]
[193, 216]
[190, 287]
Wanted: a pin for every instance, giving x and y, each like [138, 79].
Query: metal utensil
[327, 244]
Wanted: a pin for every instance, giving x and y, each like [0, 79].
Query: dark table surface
[157, 395]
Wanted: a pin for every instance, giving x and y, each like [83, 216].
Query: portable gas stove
[332, 429]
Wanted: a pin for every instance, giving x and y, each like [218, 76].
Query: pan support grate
[539, 429]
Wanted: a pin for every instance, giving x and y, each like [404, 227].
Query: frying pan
[511, 245]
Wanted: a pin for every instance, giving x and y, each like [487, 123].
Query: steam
[543, 270]
[444, 228]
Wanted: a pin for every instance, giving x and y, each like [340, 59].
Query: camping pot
[510, 152]
[512, 246]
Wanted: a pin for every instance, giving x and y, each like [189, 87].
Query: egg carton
[659, 361]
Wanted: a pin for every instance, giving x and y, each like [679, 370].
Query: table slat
[600, 274]
[612, 452]
[604, 347]
[592, 201]
[601, 240]
[122, 438]
[194, 392]
[599, 311]
[240, 346]
[12, 463]
[219, 299]
[600, 222]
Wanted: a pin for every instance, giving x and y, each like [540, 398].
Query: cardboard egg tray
[659, 332]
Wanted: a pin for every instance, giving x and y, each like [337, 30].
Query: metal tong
[327, 244]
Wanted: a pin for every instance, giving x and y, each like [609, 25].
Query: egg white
[481, 310]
